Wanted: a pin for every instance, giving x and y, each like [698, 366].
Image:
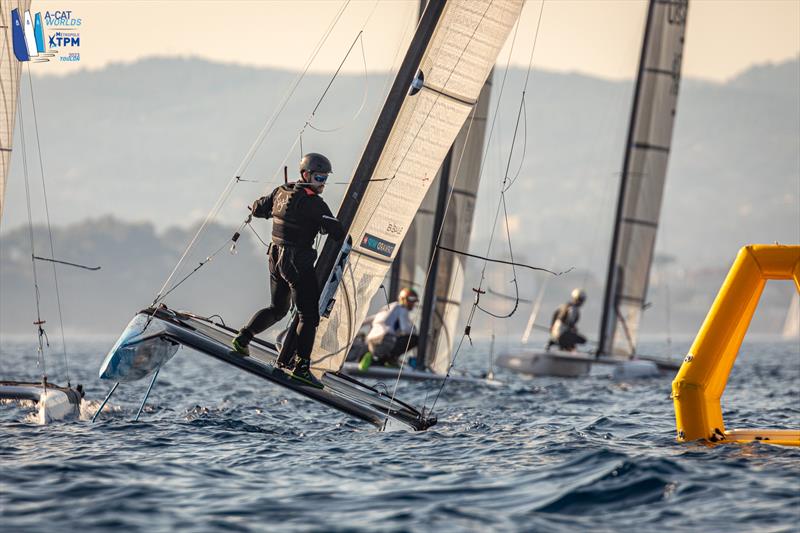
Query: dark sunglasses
[320, 178]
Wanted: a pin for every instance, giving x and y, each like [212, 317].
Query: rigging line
[254, 147]
[40, 331]
[505, 178]
[359, 38]
[202, 263]
[50, 229]
[76, 265]
[271, 122]
[299, 137]
[441, 229]
[513, 269]
[502, 194]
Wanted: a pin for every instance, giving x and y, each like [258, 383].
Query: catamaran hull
[152, 331]
[573, 365]
[54, 403]
[383, 372]
[561, 365]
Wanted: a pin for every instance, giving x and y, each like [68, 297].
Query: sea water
[217, 449]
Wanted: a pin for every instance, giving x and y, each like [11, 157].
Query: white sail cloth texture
[648, 153]
[455, 65]
[10, 69]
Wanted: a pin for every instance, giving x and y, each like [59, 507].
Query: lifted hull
[166, 329]
[385, 372]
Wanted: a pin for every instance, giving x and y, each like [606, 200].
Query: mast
[643, 175]
[372, 152]
[429, 298]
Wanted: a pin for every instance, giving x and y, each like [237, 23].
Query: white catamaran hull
[577, 364]
[558, 364]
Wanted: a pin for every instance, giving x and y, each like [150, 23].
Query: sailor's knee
[281, 309]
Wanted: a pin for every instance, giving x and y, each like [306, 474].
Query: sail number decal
[377, 245]
[394, 228]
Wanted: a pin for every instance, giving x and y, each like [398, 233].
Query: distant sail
[17, 36]
[791, 328]
[643, 175]
[457, 60]
[39, 33]
[9, 84]
[30, 35]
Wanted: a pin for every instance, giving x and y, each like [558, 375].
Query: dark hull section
[383, 372]
[341, 392]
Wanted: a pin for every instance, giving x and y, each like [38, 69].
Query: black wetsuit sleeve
[330, 224]
[262, 208]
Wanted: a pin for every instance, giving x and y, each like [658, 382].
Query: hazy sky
[599, 37]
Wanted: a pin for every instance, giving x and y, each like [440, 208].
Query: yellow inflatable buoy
[701, 380]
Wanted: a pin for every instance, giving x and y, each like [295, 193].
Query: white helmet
[578, 296]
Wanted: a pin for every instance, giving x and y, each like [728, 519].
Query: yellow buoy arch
[701, 380]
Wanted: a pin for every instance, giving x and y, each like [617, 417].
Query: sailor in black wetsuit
[298, 214]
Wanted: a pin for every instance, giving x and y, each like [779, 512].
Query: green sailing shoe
[302, 373]
[365, 363]
[241, 349]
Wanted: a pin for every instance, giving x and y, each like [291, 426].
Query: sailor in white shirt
[392, 332]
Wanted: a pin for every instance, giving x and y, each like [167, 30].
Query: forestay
[456, 62]
[643, 175]
[9, 84]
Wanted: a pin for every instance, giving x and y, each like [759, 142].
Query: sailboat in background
[641, 189]
[54, 402]
[447, 63]
[445, 217]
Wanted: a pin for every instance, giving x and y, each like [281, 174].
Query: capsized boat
[448, 61]
[53, 402]
[641, 189]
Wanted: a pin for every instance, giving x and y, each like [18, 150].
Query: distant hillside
[152, 144]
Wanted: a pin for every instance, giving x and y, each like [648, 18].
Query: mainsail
[9, 84]
[643, 175]
[456, 229]
[399, 165]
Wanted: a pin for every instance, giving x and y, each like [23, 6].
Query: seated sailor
[392, 332]
[299, 214]
[564, 325]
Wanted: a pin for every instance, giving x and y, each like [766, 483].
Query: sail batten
[643, 176]
[457, 60]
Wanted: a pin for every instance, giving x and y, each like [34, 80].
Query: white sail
[9, 84]
[643, 175]
[456, 62]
